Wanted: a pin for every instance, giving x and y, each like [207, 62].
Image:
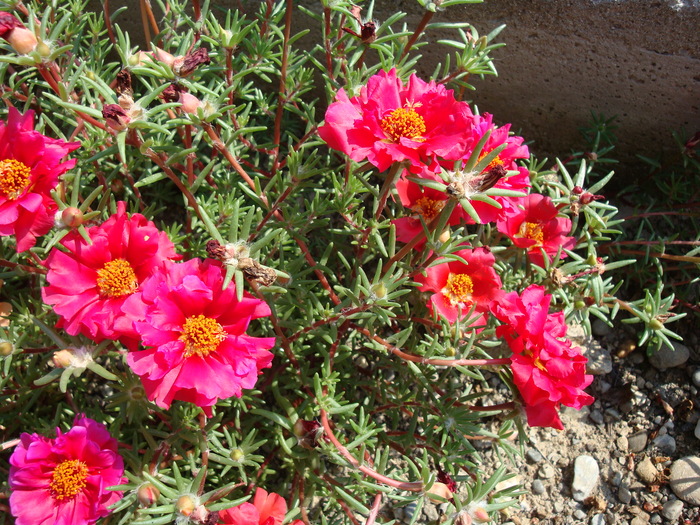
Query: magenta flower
[89, 284]
[197, 348]
[64, 481]
[547, 370]
[457, 286]
[391, 122]
[536, 227]
[30, 164]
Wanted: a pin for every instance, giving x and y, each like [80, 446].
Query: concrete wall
[637, 59]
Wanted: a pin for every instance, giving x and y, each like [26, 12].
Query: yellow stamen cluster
[117, 279]
[428, 208]
[68, 479]
[201, 335]
[404, 122]
[14, 178]
[495, 162]
[459, 288]
[532, 231]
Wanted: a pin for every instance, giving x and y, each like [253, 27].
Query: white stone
[586, 474]
[672, 510]
[666, 357]
[696, 377]
[685, 479]
[598, 519]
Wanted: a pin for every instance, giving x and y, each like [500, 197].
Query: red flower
[64, 481]
[89, 284]
[536, 227]
[30, 164]
[266, 509]
[547, 370]
[458, 286]
[391, 122]
[194, 331]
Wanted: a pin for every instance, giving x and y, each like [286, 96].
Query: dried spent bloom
[186, 65]
[391, 122]
[64, 480]
[194, 333]
[30, 165]
[115, 116]
[88, 284]
[537, 227]
[457, 286]
[266, 509]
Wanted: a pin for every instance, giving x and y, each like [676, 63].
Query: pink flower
[547, 370]
[30, 164]
[266, 509]
[63, 481]
[197, 348]
[536, 227]
[391, 122]
[89, 284]
[458, 286]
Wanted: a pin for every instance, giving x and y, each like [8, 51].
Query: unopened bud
[444, 236]
[379, 290]
[441, 491]
[6, 348]
[186, 504]
[62, 358]
[163, 56]
[655, 324]
[43, 49]
[479, 515]
[8, 22]
[22, 40]
[237, 454]
[72, 217]
[189, 103]
[137, 393]
[147, 494]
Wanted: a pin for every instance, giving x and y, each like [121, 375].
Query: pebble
[579, 514]
[646, 471]
[600, 328]
[586, 474]
[617, 479]
[639, 520]
[538, 487]
[622, 443]
[697, 430]
[637, 442]
[696, 377]
[546, 472]
[599, 360]
[558, 506]
[685, 479]
[534, 455]
[637, 358]
[597, 417]
[603, 386]
[612, 414]
[672, 510]
[666, 444]
[624, 495]
[655, 518]
[667, 357]
[598, 519]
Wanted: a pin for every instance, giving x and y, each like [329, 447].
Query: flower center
[14, 178]
[539, 364]
[459, 288]
[532, 231]
[404, 122]
[69, 478]
[428, 208]
[116, 279]
[495, 162]
[201, 335]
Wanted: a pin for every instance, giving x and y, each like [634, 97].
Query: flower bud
[62, 358]
[444, 236]
[480, 515]
[22, 40]
[379, 290]
[655, 324]
[237, 454]
[43, 49]
[147, 494]
[186, 504]
[137, 393]
[163, 56]
[441, 491]
[6, 348]
[189, 103]
[72, 217]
